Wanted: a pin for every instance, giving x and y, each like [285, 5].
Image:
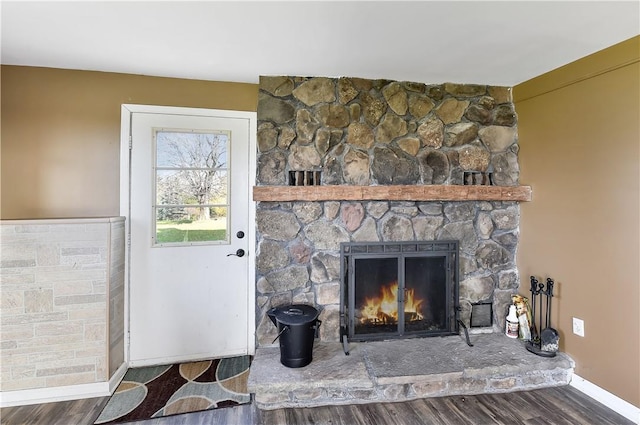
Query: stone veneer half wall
[381, 132]
[62, 302]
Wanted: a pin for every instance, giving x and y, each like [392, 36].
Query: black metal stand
[537, 293]
[466, 333]
[535, 349]
[345, 341]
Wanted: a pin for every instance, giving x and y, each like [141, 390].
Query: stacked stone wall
[59, 278]
[381, 132]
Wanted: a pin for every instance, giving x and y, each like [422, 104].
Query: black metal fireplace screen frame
[350, 251]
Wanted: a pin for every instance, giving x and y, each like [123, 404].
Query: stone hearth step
[401, 370]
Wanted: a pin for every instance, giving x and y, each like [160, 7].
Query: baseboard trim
[55, 394]
[117, 377]
[612, 401]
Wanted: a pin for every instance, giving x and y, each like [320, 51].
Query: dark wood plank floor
[555, 406]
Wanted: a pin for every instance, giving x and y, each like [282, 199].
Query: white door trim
[125, 184]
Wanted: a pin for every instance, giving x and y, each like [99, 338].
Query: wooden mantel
[392, 193]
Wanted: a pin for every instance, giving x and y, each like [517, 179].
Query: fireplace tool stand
[544, 341]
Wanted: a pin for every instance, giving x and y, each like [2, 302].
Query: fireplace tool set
[544, 341]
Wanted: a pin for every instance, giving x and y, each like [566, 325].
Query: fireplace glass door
[398, 294]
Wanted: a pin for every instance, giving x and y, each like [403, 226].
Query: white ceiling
[497, 43]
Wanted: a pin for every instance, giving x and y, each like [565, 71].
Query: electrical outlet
[578, 326]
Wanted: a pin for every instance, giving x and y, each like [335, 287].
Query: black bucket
[297, 327]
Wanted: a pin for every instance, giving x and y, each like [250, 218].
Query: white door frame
[125, 186]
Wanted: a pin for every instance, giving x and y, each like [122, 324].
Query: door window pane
[191, 150]
[191, 187]
[185, 225]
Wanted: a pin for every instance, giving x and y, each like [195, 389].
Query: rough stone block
[76, 379]
[11, 299]
[394, 392]
[34, 318]
[15, 359]
[364, 395]
[270, 398]
[308, 394]
[467, 386]
[102, 373]
[59, 328]
[38, 301]
[22, 372]
[416, 378]
[18, 256]
[533, 379]
[58, 355]
[23, 384]
[429, 389]
[73, 288]
[95, 332]
[330, 328]
[91, 314]
[48, 255]
[561, 377]
[328, 293]
[63, 274]
[501, 384]
[79, 299]
[66, 370]
[22, 280]
[337, 394]
[8, 345]
[60, 341]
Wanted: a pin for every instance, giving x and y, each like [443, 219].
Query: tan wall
[61, 134]
[579, 134]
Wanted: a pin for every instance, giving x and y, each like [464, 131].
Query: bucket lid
[294, 314]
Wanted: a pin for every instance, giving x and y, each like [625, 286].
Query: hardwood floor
[556, 406]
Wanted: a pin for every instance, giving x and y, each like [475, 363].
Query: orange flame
[384, 309]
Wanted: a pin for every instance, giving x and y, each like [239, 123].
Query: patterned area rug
[152, 392]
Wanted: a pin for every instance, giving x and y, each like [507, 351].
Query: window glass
[191, 187]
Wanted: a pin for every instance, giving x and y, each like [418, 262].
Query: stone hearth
[393, 371]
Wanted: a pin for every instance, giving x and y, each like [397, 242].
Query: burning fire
[384, 309]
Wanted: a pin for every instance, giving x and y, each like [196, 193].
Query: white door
[189, 218]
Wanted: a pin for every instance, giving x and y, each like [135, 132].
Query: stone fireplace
[402, 166]
[374, 144]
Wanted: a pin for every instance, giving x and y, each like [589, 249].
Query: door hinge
[130, 142]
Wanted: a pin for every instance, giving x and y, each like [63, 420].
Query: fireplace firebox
[398, 290]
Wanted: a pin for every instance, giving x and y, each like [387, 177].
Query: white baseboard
[613, 402]
[117, 377]
[55, 394]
